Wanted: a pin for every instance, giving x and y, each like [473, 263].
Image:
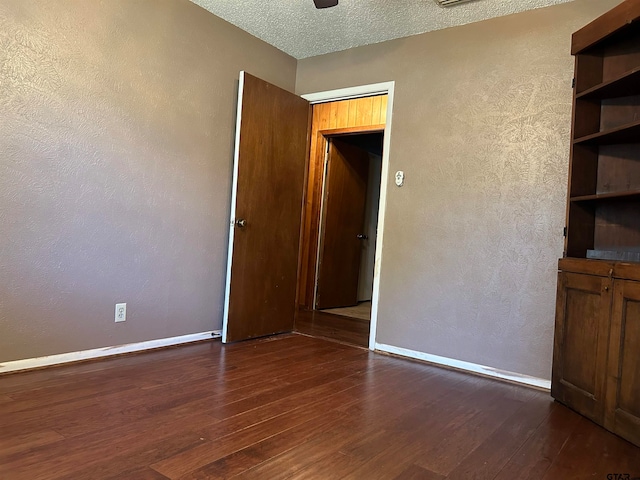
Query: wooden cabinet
[596, 362]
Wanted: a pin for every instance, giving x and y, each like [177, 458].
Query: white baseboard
[39, 362]
[513, 377]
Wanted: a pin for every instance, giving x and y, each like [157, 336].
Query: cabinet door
[581, 343]
[623, 376]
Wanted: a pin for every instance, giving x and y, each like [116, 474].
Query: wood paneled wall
[358, 115]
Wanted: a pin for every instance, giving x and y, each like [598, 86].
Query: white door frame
[367, 91]
[234, 196]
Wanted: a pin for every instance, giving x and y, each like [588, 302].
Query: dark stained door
[343, 221]
[269, 176]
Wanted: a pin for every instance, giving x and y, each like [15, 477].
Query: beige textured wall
[481, 126]
[116, 135]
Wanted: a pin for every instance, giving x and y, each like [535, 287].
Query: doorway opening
[275, 202]
[337, 290]
[348, 225]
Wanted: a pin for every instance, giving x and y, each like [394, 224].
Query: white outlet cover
[399, 178]
[121, 312]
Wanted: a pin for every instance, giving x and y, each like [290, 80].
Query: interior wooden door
[343, 221]
[623, 378]
[581, 343]
[268, 183]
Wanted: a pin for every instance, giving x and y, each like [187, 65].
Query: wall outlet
[121, 312]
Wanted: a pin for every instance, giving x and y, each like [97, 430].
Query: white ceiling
[299, 29]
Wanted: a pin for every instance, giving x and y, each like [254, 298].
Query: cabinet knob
[606, 289]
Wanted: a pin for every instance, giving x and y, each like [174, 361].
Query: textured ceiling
[299, 29]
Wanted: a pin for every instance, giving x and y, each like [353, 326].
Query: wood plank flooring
[316, 323]
[290, 407]
[361, 311]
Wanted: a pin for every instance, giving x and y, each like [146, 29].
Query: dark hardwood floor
[362, 311]
[354, 331]
[290, 407]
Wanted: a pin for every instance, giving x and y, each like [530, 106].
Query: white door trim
[350, 92]
[234, 196]
[366, 91]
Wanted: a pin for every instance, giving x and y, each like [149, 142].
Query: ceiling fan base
[325, 3]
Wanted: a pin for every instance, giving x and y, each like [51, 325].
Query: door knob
[362, 236]
[241, 223]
